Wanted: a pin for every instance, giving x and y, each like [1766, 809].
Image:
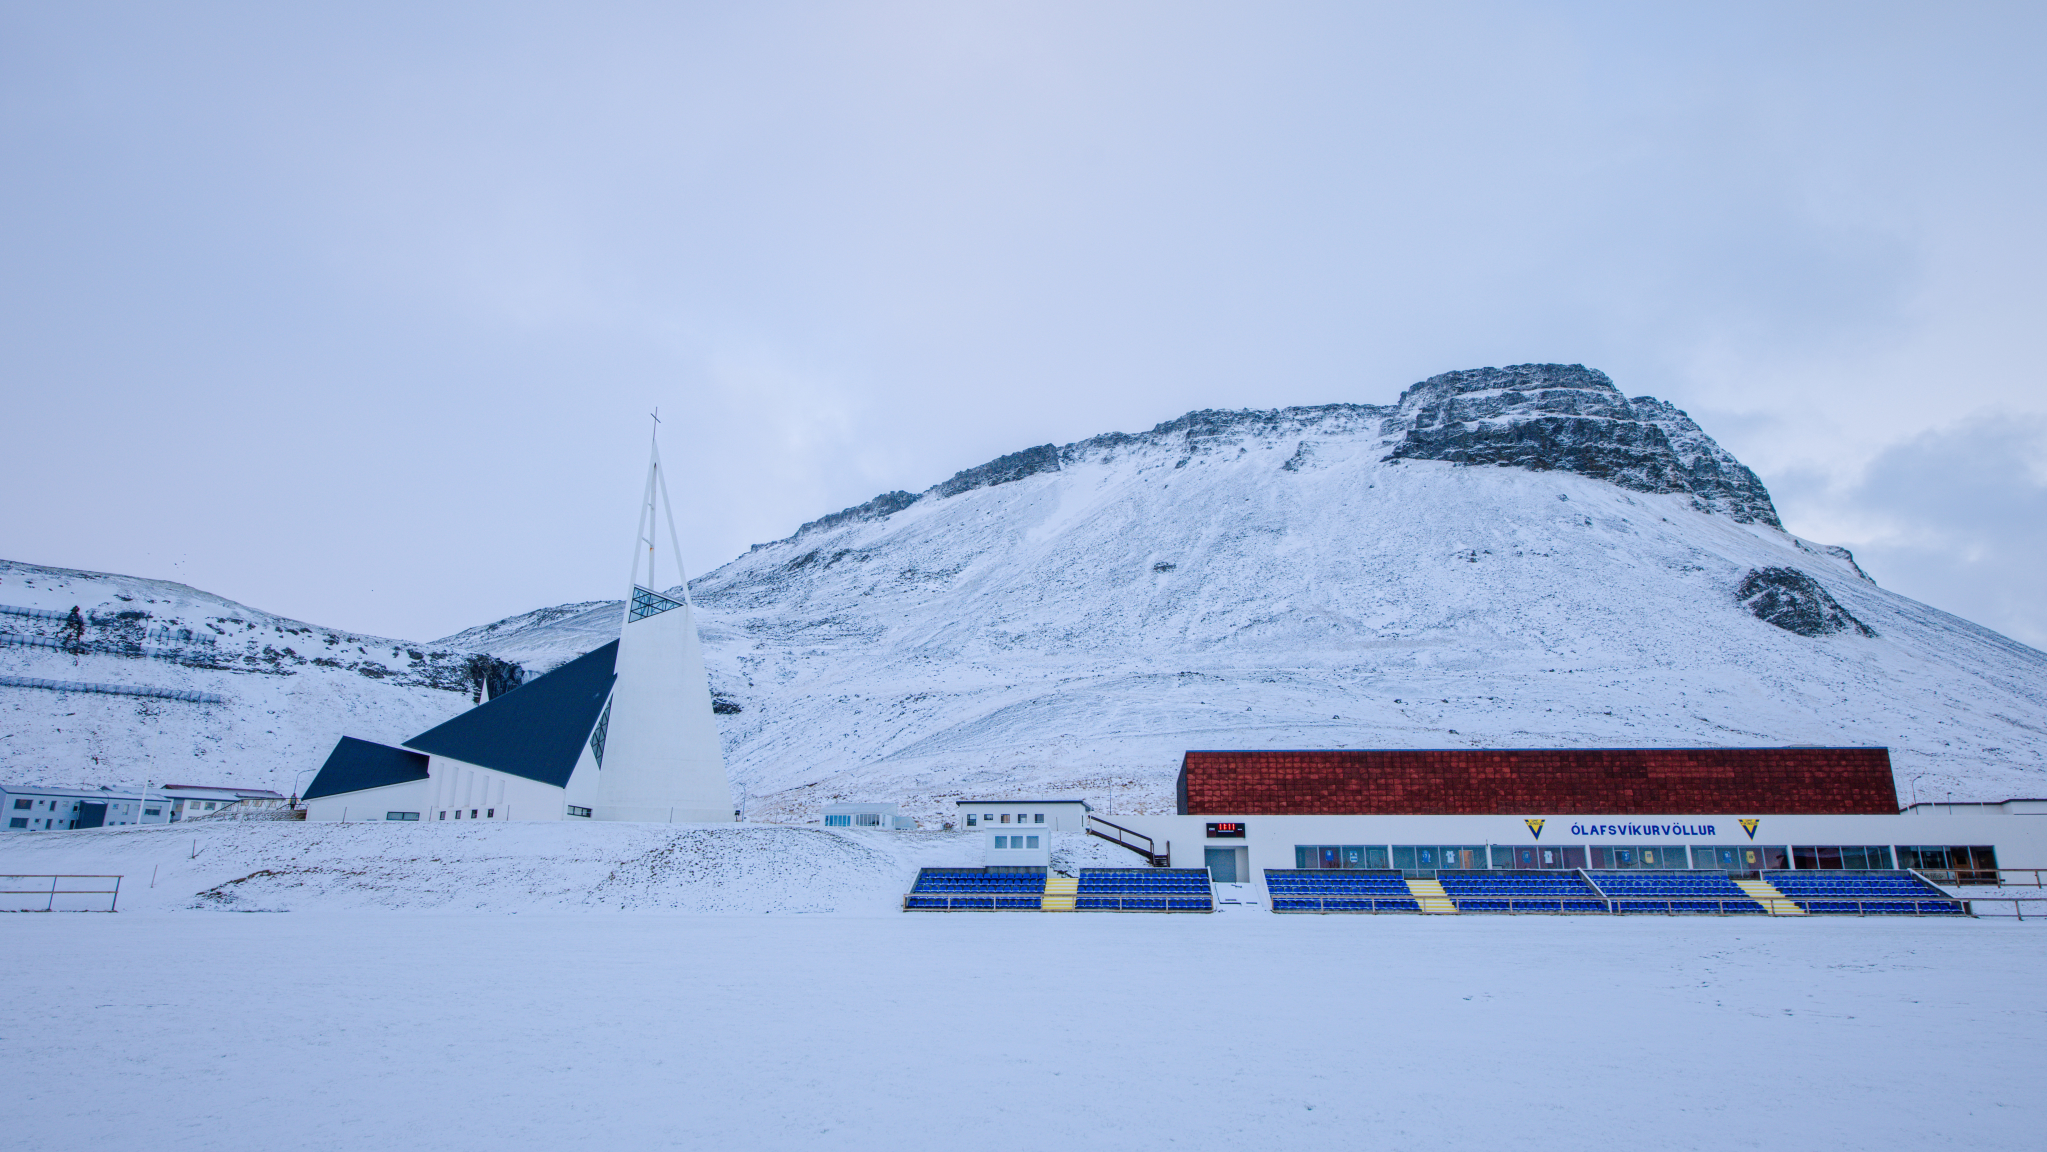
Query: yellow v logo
[1749, 826]
[1534, 828]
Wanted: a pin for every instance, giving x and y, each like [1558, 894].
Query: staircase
[1060, 893]
[1430, 894]
[1773, 901]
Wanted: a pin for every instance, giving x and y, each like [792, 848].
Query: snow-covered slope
[1504, 557]
[286, 689]
[1070, 619]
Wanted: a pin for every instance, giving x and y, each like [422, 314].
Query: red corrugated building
[1538, 781]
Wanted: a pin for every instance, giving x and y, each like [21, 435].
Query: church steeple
[662, 756]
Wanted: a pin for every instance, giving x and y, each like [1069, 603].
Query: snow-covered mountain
[1504, 557]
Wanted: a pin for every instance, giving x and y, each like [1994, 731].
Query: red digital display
[1226, 831]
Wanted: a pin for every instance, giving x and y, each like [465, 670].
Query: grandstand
[1034, 890]
[1144, 890]
[976, 890]
[1673, 892]
[1513, 891]
[1865, 894]
[1302, 891]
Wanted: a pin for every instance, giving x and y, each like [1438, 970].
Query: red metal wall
[1536, 782]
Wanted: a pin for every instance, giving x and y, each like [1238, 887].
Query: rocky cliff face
[1570, 418]
[1541, 417]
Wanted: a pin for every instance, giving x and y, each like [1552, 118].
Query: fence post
[52, 901]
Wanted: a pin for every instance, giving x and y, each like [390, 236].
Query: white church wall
[584, 782]
[662, 758]
[459, 787]
[371, 803]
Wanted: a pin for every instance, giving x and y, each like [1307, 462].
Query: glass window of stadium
[1657, 856]
[1739, 857]
[1429, 857]
[1314, 856]
[1540, 856]
[1851, 857]
[1979, 859]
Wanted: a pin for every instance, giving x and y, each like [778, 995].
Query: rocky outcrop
[1002, 470]
[880, 508]
[1795, 602]
[1567, 417]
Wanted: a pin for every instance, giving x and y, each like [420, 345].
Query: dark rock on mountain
[1571, 418]
[1002, 470]
[1795, 602]
[881, 507]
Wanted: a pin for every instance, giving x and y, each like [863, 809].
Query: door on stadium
[1222, 865]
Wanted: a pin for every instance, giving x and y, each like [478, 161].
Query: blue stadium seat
[1144, 890]
[1675, 892]
[1864, 893]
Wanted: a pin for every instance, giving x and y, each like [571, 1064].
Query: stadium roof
[357, 764]
[537, 729]
[1537, 781]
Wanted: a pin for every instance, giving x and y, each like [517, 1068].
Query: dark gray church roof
[536, 730]
[358, 764]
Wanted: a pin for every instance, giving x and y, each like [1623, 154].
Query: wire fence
[185, 694]
[33, 613]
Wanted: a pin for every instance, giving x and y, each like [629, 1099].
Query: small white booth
[1054, 815]
[1029, 846]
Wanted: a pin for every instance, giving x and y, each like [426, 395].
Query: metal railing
[2016, 902]
[49, 894]
[1140, 902]
[1126, 838]
[1409, 904]
[1987, 877]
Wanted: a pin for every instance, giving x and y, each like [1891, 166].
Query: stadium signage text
[1642, 830]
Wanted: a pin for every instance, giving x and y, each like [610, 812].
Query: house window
[22, 804]
[401, 815]
[868, 819]
[18, 822]
[458, 813]
[841, 820]
[490, 813]
[575, 811]
[1033, 841]
[1005, 817]
[1001, 843]
[444, 813]
[971, 820]
[1038, 818]
[152, 811]
[472, 813]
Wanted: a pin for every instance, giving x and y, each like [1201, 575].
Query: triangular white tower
[662, 758]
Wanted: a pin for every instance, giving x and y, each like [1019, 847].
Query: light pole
[295, 786]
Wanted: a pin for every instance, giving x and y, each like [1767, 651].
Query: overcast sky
[354, 312]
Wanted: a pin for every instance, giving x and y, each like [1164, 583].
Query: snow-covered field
[492, 986]
[339, 1030]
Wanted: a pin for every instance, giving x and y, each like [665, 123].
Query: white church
[622, 733]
